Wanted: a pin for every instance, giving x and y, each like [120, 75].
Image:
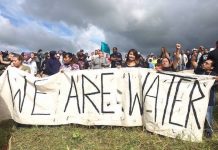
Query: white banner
[169, 104]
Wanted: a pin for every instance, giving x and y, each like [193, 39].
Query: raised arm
[176, 60]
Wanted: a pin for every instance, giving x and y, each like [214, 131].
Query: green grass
[101, 137]
[5, 132]
[80, 137]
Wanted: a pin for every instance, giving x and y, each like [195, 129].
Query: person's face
[207, 65]
[165, 63]
[81, 52]
[10, 56]
[32, 55]
[195, 53]
[100, 54]
[178, 46]
[114, 50]
[131, 56]
[25, 57]
[47, 56]
[16, 63]
[67, 60]
[57, 56]
[200, 49]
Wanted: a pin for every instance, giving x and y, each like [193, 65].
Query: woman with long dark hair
[132, 59]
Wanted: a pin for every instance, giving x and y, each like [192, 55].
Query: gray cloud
[31, 37]
[141, 24]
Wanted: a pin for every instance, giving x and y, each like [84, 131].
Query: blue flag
[105, 48]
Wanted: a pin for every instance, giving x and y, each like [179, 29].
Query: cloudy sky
[71, 25]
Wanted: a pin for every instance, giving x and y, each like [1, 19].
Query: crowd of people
[48, 63]
[43, 64]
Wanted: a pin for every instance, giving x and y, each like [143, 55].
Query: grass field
[102, 137]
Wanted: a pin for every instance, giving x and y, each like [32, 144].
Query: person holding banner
[132, 59]
[17, 61]
[214, 56]
[207, 69]
[167, 65]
